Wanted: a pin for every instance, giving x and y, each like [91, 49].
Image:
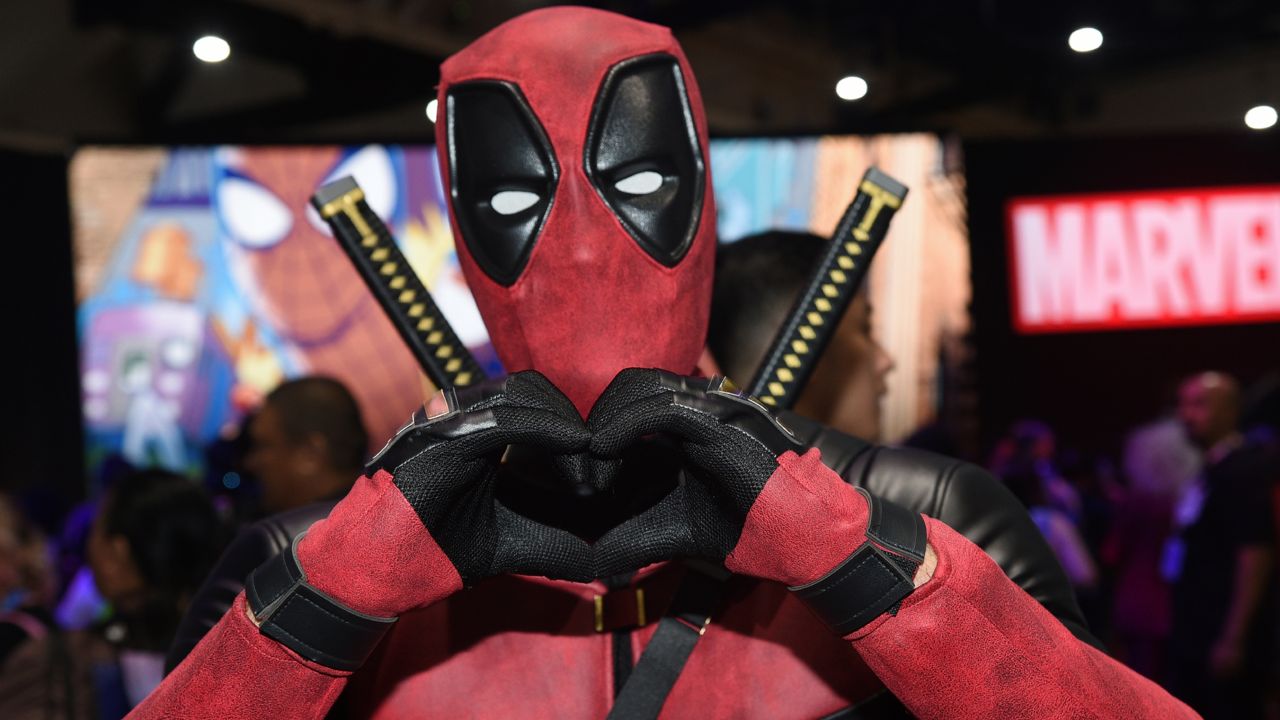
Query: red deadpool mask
[573, 145]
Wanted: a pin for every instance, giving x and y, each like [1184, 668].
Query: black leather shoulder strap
[660, 664]
[650, 682]
[839, 450]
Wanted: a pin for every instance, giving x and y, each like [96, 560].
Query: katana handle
[817, 312]
[368, 243]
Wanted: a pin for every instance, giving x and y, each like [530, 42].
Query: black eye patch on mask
[642, 155]
[503, 174]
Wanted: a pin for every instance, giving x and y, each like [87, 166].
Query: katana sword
[815, 316]
[405, 300]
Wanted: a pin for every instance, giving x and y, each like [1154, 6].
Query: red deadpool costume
[574, 147]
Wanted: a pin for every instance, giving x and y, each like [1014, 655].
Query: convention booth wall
[203, 277]
[1106, 270]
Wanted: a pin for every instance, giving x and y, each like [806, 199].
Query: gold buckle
[641, 618]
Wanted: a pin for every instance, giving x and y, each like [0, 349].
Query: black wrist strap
[307, 621]
[877, 576]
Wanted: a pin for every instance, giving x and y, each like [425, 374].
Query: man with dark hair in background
[757, 281]
[306, 444]
[1221, 559]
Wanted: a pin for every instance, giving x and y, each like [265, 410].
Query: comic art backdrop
[204, 277]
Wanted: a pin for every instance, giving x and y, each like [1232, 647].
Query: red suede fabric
[373, 553]
[519, 647]
[806, 521]
[237, 672]
[590, 302]
[971, 644]
[515, 647]
[523, 647]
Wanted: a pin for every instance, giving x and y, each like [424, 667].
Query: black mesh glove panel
[729, 442]
[446, 468]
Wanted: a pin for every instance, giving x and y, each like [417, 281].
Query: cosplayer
[505, 557]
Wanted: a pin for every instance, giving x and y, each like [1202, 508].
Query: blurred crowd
[1172, 551]
[1171, 547]
[89, 610]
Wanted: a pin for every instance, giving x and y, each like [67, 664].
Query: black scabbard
[817, 312]
[368, 243]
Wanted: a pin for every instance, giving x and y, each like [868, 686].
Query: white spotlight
[211, 49]
[1260, 117]
[851, 88]
[1086, 39]
[431, 110]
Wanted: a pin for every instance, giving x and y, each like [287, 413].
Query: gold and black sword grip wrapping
[814, 318]
[367, 241]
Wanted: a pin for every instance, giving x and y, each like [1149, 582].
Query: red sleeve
[972, 644]
[237, 672]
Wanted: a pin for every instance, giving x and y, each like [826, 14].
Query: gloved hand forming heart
[428, 521]
[751, 497]
[424, 521]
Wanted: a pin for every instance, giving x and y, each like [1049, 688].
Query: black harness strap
[699, 595]
[663, 659]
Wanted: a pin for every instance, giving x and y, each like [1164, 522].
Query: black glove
[729, 443]
[447, 466]
[424, 522]
[750, 500]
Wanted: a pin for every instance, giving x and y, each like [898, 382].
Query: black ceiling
[326, 70]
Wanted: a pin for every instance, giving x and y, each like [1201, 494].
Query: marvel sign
[1145, 259]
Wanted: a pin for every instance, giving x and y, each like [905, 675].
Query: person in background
[1221, 559]
[757, 281]
[81, 605]
[306, 444]
[1260, 423]
[1260, 414]
[1032, 442]
[1158, 463]
[154, 540]
[1027, 484]
[1093, 478]
[26, 581]
[236, 492]
[38, 678]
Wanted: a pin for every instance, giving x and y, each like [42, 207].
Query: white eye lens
[510, 202]
[642, 183]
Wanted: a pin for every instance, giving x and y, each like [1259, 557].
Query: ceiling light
[1086, 39]
[431, 110]
[1260, 117]
[211, 49]
[851, 88]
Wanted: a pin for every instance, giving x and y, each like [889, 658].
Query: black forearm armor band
[307, 621]
[877, 576]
